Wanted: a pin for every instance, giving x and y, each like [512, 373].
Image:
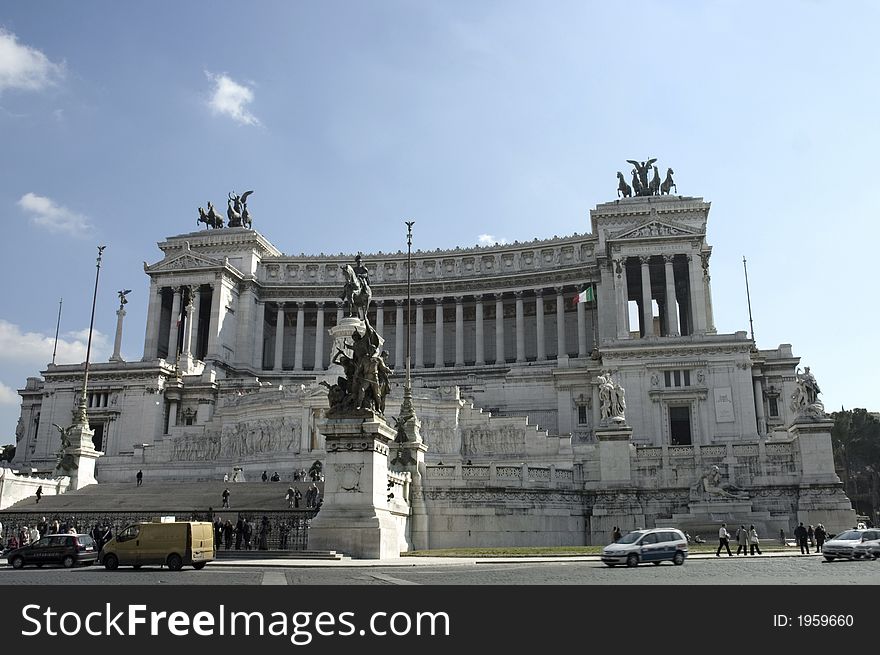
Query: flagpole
[57, 328]
[748, 299]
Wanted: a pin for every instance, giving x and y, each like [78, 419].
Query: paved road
[792, 570]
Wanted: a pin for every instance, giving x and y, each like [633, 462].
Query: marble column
[300, 335]
[622, 297]
[539, 325]
[259, 333]
[561, 350]
[154, 310]
[319, 336]
[698, 305]
[244, 322]
[582, 328]
[380, 317]
[189, 320]
[480, 354]
[279, 338]
[399, 335]
[671, 306]
[647, 304]
[759, 407]
[597, 413]
[707, 292]
[499, 328]
[520, 328]
[459, 331]
[420, 333]
[175, 326]
[172, 414]
[117, 342]
[194, 317]
[439, 358]
[215, 322]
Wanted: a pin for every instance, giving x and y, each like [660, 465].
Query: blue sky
[508, 119]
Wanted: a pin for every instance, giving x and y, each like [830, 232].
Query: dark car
[65, 549]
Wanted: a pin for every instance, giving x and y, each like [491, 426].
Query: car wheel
[111, 562]
[632, 560]
[68, 562]
[678, 560]
[829, 558]
[17, 563]
[174, 562]
[198, 566]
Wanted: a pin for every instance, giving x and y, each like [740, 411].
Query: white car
[655, 545]
[868, 549]
[843, 545]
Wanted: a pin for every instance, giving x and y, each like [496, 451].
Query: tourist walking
[742, 540]
[312, 495]
[239, 532]
[754, 542]
[226, 497]
[227, 534]
[297, 496]
[820, 534]
[265, 529]
[615, 534]
[289, 495]
[140, 478]
[800, 535]
[39, 493]
[265, 476]
[810, 534]
[248, 533]
[723, 540]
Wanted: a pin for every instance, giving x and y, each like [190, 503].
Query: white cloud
[490, 240]
[34, 349]
[23, 67]
[8, 396]
[229, 98]
[46, 213]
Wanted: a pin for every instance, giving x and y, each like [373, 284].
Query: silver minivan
[655, 545]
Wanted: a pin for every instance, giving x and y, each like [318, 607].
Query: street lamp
[80, 416]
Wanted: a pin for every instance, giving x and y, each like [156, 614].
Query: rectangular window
[680, 426]
[677, 376]
[774, 406]
[582, 414]
[687, 378]
[667, 377]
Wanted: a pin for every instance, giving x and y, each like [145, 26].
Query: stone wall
[15, 487]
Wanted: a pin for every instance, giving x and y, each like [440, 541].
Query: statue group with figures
[641, 185]
[237, 213]
[366, 379]
[365, 382]
[711, 486]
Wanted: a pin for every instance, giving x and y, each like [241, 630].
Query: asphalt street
[702, 570]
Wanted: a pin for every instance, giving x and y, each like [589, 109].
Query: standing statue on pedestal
[66, 461]
[122, 297]
[356, 292]
[612, 399]
[805, 399]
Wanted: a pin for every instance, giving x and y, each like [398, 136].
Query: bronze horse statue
[623, 189]
[668, 183]
[355, 293]
[655, 183]
[211, 218]
[237, 211]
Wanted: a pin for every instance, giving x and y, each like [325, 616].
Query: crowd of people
[248, 533]
[19, 536]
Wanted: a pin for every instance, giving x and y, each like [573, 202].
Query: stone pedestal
[354, 518]
[813, 439]
[615, 452]
[82, 455]
[340, 334]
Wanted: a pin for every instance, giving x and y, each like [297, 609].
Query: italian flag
[585, 296]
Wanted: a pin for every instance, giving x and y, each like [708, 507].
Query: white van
[655, 545]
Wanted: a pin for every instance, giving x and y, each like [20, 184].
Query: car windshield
[630, 538]
[849, 535]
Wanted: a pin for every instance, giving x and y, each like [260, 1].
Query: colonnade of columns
[681, 291]
[448, 313]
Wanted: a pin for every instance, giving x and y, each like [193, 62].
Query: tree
[856, 441]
